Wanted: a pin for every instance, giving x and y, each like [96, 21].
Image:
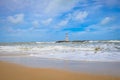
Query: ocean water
[80, 51]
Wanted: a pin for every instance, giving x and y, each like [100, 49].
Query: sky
[49, 20]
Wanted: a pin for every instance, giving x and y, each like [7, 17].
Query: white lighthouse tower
[66, 37]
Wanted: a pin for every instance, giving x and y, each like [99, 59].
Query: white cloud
[45, 8]
[76, 15]
[80, 15]
[63, 23]
[109, 3]
[100, 26]
[47, 21]
[35, 23]
[112, 2]
[105, 20]
[56, 7]
[18, 18]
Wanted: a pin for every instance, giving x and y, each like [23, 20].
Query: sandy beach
[51, 61]
[10, 71]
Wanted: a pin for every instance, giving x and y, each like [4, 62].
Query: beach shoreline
[12, 71]
[90, 67]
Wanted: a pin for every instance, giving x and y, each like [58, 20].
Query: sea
[101, 50]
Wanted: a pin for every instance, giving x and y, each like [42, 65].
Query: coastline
[10, 71]
[89, 67]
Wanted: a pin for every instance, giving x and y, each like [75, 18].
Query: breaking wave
[83, 51]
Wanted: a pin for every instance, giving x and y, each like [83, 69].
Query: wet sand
[90, 67]
[10, 71]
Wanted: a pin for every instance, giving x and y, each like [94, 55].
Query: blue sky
[49, 20]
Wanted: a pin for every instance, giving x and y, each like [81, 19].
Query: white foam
[80, 51]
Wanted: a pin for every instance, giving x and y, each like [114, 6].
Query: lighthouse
[66, 37]
[65, 40]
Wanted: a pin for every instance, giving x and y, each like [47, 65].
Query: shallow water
[91, 67]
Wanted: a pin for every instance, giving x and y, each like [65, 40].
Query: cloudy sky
[49, 20]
